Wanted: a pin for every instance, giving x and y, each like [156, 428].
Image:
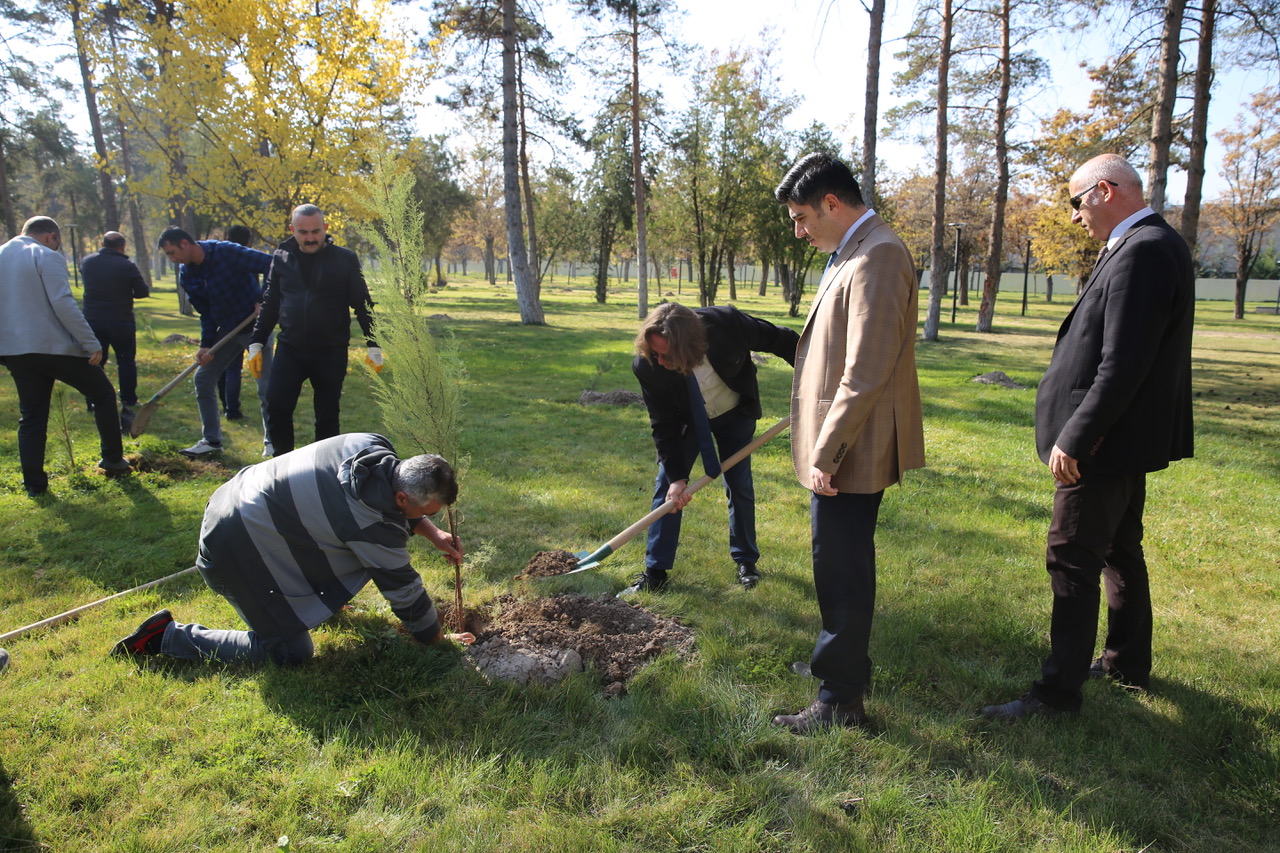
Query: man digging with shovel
[699, 383]
[289, 541]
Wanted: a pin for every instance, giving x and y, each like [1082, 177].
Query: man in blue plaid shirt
[221, 280]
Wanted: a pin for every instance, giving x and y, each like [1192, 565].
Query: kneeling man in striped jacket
[289, 541]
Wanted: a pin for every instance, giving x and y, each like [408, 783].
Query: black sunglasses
[1076, 199]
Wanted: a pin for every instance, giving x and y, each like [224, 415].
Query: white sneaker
[200, 448]
[267, 450]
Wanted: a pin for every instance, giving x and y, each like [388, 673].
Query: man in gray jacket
[44, 338]
[289, 541]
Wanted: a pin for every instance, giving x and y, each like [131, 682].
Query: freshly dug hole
[543, 640]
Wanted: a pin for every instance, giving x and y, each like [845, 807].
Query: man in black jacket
[1114, 404]
[311, 290]
[696, 365]
[111, 283]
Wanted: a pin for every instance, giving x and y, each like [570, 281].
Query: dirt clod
[620, 397]
[543, 640]
[548, 564]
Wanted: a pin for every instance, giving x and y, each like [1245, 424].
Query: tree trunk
[871, 106]
[1190, 226]
[938, 264]
[531, 227]
[110, 209]
[764, 276]
[526, 291]
[141, 250]
[733, 281]
[6, 200]
[991, 287]
[637, 168]
[1166, 95]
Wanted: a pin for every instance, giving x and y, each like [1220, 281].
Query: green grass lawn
[383, 745]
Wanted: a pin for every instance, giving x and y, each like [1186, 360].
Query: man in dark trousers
[44, 338]
[856, 420]
[288, 542]
[311, 290]
[695, 366]
[111, 283]
[1114, 404]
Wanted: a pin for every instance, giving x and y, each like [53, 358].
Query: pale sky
[821, 45]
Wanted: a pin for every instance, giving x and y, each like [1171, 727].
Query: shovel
[592, 559]
[143, 417]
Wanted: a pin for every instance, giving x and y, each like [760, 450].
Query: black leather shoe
[1098, 670]
[748, 575]
[823, 715]
[1019, 709]
[145, 640]
[645, 583]
[4, 660]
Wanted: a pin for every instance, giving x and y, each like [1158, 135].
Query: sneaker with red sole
[145, 640]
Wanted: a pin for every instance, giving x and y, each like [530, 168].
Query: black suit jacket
[731, 338]
[1117, 394]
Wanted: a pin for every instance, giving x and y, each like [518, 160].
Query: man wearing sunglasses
[1114, 404]
[289, 541]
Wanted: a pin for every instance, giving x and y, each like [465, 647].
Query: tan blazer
[855, 399]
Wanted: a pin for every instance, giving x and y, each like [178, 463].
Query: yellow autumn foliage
[245, 110]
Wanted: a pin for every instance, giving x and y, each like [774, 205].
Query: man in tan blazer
[856, 423]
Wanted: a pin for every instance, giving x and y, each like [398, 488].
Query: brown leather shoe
[822, 715]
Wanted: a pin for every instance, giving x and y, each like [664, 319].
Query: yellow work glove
[255, 360]
[374, 359]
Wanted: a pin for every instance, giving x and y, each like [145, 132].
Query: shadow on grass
[1182, 769]
[15, 833]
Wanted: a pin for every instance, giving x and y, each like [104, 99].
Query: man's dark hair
[816, 175]
[174, 237]
[38, 226]
[113, 240]
[240, 234]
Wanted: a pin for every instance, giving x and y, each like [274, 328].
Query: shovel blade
[142, 418]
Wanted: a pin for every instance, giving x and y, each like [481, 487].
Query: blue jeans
[732, 431]
[206, 382]
[196, 642]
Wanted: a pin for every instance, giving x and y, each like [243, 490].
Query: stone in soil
[548, 564]
[543, 640]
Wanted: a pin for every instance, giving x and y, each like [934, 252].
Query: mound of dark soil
[548, 564]
[619, 397]
[546, 639]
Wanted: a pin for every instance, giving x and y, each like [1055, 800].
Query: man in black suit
[1114, 404]
[696, 366]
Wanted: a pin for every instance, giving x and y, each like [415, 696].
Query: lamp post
[955, 293]
[75, 255]
[1026, 273]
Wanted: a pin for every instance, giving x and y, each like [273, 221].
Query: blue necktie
[831, 263]
[702, 427]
